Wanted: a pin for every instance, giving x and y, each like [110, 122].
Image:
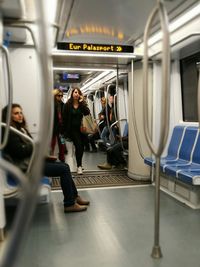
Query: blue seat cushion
[149, 161]
[173, 148]
[185, 153]
[190, 176]
[171, 169]
[12, 181]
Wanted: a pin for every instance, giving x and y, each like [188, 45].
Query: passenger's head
[58, 95]
[111, 99]
[17, 116]
[76, 94]
[103, 101]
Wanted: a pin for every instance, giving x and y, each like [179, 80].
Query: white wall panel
[26, 85]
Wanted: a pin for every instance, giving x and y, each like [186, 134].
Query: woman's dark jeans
[62, 170]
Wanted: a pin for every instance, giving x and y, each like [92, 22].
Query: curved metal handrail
[117, 112]
[198, 96]
[95, 115]
[116, 96]
[120, 134]
[134, 116]
[20, 23]
[107, 115]
[164, 128]
[10, 97]
[115, 106]
[29, 200]
[95, 97]
[26, 137]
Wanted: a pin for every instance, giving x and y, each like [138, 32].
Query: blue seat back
[125, 133]
[188, 143]
[11, 180]
[175, 141]
[196, 154]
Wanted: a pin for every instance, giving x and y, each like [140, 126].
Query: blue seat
[11, 181]
[186, 152]
[173, 149]
[191, 172]
[190, 176]
[11, 188]
[183, 158]
[125, 132]
[194, 165]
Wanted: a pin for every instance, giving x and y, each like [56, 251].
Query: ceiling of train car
[111, 21]
[104, 22]
[107, 22]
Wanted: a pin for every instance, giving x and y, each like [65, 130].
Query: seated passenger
[19, 150]
[102, 118]
[114, 153]
[109, 111]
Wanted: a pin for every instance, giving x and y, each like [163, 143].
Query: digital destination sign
[70, 77]
[89, 47]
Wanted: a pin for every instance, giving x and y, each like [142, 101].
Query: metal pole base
[156, 252]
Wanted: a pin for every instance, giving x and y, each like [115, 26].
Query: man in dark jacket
[115, 152]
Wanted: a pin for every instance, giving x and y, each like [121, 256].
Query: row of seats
[183, 155]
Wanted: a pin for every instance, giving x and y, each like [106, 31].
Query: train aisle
[90, 160]
[115, 231]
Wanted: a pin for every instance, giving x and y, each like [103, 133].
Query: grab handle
[164, 127]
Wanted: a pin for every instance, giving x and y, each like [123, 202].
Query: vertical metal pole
[198, 94]
[164, 122]
[156, 251]
[2, 206]
[116, 108]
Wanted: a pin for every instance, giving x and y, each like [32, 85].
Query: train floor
[117, 230]
[89, 162]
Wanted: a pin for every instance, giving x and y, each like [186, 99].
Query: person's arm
[17, 147]
[84, 108]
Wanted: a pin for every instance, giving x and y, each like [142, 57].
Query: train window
[189, 84]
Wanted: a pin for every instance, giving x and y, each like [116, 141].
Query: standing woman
[58, 125]
[73, 112]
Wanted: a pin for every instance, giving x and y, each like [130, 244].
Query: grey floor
[115, 231]
[90, 160]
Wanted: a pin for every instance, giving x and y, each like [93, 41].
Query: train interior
[145, 56]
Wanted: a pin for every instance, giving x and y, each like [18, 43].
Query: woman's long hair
[13, 123]
[71, 97]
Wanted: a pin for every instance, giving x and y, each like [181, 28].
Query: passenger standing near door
[73, 112]
[58, 125]
[108, 111]
[102, 115]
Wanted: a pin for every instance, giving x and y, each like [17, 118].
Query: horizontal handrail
[26, 137]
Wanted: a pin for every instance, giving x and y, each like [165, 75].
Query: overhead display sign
[70, 77]
[88, 47]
